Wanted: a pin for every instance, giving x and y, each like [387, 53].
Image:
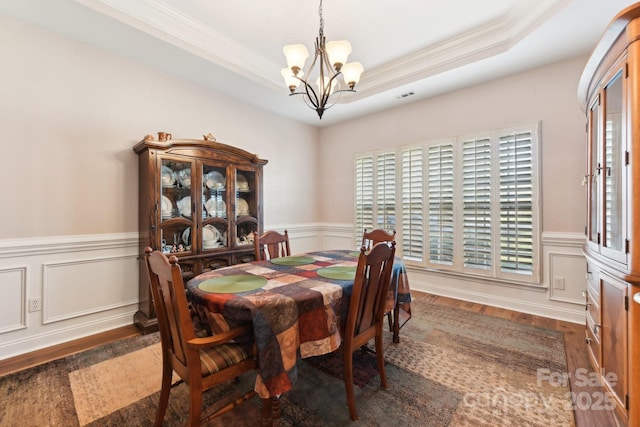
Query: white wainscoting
[13, 287]
[89, 284]
[85, 284]
[562, 258]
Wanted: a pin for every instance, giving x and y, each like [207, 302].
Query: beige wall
[547, 94]
[71, 114]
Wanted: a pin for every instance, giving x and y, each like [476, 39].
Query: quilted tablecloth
[297, 306]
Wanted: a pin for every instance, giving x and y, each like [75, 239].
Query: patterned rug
[451, 368]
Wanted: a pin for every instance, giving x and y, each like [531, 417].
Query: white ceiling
[426, 47]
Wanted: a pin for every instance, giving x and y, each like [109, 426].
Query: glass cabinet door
[246, 204]
[593, 177]
[613, 236]
[176, 206]
[214, 207]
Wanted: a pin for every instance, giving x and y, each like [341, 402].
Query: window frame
[457, 267]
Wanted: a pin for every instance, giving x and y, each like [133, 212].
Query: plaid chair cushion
[220, 357]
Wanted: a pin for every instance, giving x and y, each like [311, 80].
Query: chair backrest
[170, 301]
[369, 239]
[271, 244]
[370, 287]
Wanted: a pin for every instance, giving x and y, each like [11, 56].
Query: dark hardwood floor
[574, 337]
[48, 354]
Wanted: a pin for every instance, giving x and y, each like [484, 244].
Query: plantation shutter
[412, 204]
[476, 198]
[440, 205]
[385, 215]
[516, 203]
[364, 196]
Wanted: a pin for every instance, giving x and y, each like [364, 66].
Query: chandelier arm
[327, 93]
[308, 91]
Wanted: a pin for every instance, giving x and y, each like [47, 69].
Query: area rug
[451, 368]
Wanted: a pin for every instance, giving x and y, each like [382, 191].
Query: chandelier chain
[321, 20]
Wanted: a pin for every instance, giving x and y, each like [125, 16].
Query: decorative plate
[168, 176]
[241, 183]
[184, 206]
[166, 206]
[217, 208]
[337, 272]
[209, 232]
[293, 260]
[184, 177]
[214, 180]
[232, 284]
[243, 207]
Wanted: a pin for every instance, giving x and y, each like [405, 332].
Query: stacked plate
[241, 183]
[243, 207]
[167, 207]
[210, 237]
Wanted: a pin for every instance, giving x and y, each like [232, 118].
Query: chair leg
[348, 383]
[195, 405]
[167, 372]
[380, 358]
[266, 417]
[396, 324]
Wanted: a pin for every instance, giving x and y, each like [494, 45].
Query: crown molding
[485, 41]
[171, 25]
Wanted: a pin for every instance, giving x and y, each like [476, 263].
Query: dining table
[297, 306]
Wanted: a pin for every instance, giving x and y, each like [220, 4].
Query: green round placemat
[338, 272]
[355, 253]
[293, 260]
[232, 284]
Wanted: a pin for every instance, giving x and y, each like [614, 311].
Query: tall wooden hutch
[199, 200]
[610, 92]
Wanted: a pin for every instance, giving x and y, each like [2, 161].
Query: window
[412, 204]
[440, 204]
[516, 203]
[375, 192]
[476, 204]
[466, 205]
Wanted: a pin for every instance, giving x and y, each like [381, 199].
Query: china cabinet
[610, 92]
[200, 200]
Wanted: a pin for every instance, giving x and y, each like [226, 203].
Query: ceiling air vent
[405, 95]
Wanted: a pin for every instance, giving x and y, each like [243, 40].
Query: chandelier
[331, 59]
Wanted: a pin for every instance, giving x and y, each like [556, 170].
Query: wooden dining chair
[369, 239]
[201, 362]
[366, 312]
[271, 244]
